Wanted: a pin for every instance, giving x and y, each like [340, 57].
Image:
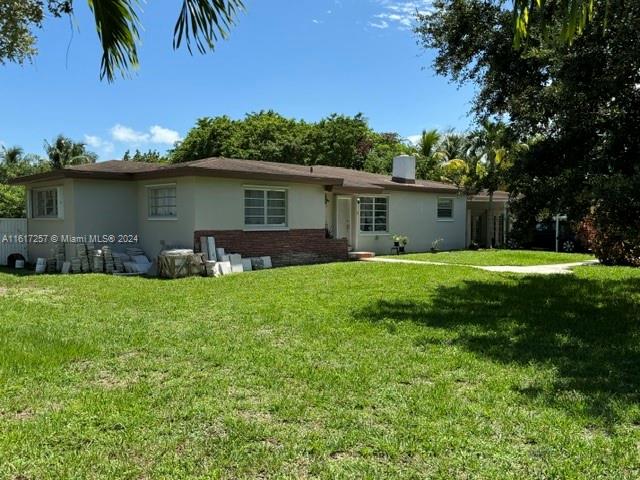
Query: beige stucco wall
[219, 203]
[159, 234]
[97, 207]
[50, 226]
[105, 207]
[414, 215]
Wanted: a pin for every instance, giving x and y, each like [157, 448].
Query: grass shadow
[588, 330]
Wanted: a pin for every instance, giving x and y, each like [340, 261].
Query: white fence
[9, 229]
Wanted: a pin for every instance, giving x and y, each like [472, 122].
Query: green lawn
[334, 371]
[499, 257]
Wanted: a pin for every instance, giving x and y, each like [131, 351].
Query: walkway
[558, 268]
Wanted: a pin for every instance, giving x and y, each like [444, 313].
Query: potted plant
[399, 242]
[403, 243]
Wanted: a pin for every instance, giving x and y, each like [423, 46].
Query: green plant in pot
[400, 242]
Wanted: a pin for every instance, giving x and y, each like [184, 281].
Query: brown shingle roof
[341, 179]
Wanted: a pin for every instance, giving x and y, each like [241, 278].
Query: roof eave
[340, 190]
[189, 170]
[62, 174]
[419, 188]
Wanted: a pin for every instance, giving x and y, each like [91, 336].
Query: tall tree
[496, 149]
[200, 24]
[11, 155]
[337, 140]
[429, 155]
[63, 151]
[581, 101]
[14, 163]
[150, 156]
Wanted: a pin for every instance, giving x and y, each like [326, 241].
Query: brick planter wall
[292, 247]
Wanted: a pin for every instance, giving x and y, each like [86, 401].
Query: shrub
[612, 243]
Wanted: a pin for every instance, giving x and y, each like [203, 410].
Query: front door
[343, 218]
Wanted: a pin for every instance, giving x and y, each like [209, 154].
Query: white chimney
[404, 169]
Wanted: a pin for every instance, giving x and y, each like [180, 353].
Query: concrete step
[361, 255]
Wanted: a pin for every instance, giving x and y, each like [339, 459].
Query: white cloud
[156, 134]
[316, 21]
[120, 133]
[414, 139]
[164, 135]
[381, 24]
[401, 13]
[98, 143]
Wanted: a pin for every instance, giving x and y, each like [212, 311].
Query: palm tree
[497, 153]
[200, 24]
[460, 162]
[11, 155]
[429, 155]
[63, 151]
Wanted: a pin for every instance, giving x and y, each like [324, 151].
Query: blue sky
[304, 59]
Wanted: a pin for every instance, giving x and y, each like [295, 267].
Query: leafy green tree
[271, 137]
[150, 156]
[384, 147]
[210, 137]
[200, 24]
[14, 163]
[63, 151]
[341, 141]
[567, 18]
[18, 18]
[337, 140]
[580, 101]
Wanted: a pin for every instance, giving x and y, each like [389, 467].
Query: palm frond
[203, 22]
[117, 24]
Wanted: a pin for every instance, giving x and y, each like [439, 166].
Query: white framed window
[374, 214]
[45, 202]
[445, 208]
[162, 201]
[265, 207]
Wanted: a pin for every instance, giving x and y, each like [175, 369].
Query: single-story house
[294, 213]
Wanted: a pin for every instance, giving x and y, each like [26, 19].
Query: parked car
[544, 237]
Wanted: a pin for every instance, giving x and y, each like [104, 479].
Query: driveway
[555, 269]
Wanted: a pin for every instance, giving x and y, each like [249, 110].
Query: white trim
[265, 187]
[266, 226]
[59, 189]
[452, 218]
[379, 232]
[161, 185]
